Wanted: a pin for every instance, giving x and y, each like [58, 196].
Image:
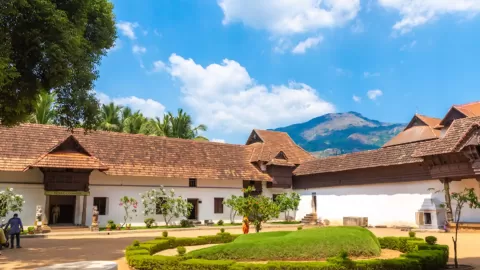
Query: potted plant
[31, 230]
[109, 227]
[129, 225]
[119, 227]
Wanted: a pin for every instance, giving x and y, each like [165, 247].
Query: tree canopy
[53, 46]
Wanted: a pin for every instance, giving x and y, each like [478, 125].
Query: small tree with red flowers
[130, 205]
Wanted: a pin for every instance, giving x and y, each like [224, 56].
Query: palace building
[73, 171]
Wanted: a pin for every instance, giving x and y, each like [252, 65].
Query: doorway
[194, 213]
[314, 202]
[65, 207]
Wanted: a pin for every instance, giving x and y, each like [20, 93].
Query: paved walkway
[41, 252]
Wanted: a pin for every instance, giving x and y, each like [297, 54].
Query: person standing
[16, 227]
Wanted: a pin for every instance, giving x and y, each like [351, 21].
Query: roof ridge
[466, 104]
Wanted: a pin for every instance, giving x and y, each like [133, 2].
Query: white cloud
[149, 107]
[374, 94]
[159, 66]
[289, 16]
[357, 27]
[418, 12]
[116, 45]
[367, 74]
[138, 49]
[128, 29]
[310, 42]
[225, 97]
[408, 46]
[357, 99]
[218, 140]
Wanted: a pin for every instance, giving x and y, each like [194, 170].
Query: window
[192, 182]
[218, 206]
[101, 203]
[158, 207]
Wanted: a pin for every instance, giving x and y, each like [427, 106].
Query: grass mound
[310, 244]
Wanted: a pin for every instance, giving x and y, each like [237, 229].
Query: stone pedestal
[94, 228]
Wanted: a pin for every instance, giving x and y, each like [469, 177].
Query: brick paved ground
[41, 252]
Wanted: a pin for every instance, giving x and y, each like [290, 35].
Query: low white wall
[383, 204]
[116, 212]
[33, 195]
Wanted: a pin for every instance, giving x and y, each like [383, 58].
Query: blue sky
[235, 65]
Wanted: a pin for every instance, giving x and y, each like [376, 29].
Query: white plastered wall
[391, 204]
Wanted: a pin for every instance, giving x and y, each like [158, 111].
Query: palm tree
[133, 124]
[44, 109]
[157, 127]
[126, 113]
[110, 117]
[181, 126]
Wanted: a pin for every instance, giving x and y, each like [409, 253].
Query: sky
[235, 65]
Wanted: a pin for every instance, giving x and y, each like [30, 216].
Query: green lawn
[308, 244]
[285, 222]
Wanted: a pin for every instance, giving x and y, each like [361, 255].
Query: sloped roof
[430, 121]
[69, 160]
[127, 154]
[388, 156]
[452, 141]
[469, 109]
[414, 134]
[272, 142]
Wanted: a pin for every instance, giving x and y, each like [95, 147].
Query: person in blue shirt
[16, 227]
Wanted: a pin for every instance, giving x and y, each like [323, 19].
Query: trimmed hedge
[419, 256]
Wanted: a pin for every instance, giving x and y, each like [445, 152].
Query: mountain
[340, 133]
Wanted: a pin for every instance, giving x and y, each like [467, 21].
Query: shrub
[165, 234]
[397, 243]
[411, 234]
[186, 223]
[181, 250]
[220, 223]
[112, 224]
[431, 240]
[30, 230]
[196, 264]
[222, 230]
[136, 243]
[299, 228]
[144, 262]
[149, 222]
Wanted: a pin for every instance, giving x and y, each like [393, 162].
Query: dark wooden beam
[448, 200]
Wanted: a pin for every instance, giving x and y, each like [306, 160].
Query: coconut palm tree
[157, 127]
[44, 109]
[133, 124]
[110, 117]
[181, 126]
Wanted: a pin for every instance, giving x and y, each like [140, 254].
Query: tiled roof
[388, 156]
[272, 143]
[452, 140]
[430, 121]
[469, 109]
[127, 154]
[69, 160]
[414, 134]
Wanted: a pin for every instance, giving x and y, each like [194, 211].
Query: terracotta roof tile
[414, 134]
[388, 156]
[272, 143]
[69, 160]
[452, 139]
[469, 109]
[127, 154]
[430, 121]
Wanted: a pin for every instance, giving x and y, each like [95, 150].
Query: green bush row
[419, 256]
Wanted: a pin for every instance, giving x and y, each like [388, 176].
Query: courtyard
[41, 252]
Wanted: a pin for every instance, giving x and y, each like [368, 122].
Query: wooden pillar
[46, 211]
[448, 200]
[84, 211]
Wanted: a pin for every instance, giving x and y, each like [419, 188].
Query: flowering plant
[165, 203]
[10, 202]
[130, 206]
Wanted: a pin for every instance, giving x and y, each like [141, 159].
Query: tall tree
[134, 123]
[126, 113]
[54, 46]
[110, 117]
[181, 126]
[157, 127]
[44, 109]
